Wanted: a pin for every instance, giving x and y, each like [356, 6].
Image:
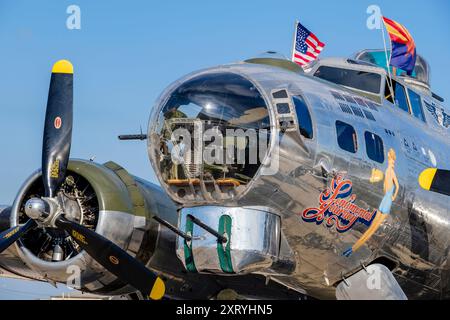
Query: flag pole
[294, 40]
[388, 62]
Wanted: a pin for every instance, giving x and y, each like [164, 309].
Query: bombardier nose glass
[213, 133]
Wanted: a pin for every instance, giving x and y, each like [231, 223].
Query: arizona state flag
[403, 53]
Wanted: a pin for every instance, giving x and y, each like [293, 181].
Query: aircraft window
[400, 97]
[374, 147]
[387, 92]
[303, 116]
[399, 94]
[283, 108]
[280, 94]
[378, 57]
[346, 137]
[416, 105]
[361, 80]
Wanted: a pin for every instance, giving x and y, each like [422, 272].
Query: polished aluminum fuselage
[413, 240]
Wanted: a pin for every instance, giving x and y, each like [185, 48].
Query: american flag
[306, 47]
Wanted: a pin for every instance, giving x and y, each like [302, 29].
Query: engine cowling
[104, 198]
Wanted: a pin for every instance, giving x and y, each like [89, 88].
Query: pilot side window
[374, 147]
[399, 94]
[361, 80]
[346, 137]
[416, 105]
[400, 97]
[303, 117]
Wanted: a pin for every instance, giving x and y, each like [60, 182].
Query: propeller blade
[58, 127]
[436, 180]
[114, 259]
[8, 237]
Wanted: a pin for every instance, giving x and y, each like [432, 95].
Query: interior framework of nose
[209, 137]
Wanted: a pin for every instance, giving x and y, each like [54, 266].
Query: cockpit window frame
[423, 119]
[392, 93]
[355, 68]
[397, 105]
[407, 90]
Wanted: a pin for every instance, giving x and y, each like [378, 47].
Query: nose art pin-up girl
[390, 188]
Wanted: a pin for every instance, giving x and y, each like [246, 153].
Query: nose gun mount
[229, 240]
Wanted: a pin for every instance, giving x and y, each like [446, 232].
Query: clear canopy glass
[212, 131]
[378, 57]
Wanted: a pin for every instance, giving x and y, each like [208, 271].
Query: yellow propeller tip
[158, 290]
[426, 178]
[62, 66]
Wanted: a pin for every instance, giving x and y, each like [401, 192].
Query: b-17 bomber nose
[209, 136]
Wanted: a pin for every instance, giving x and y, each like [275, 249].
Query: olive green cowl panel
[136, 197]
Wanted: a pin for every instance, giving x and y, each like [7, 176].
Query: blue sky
[127, 52]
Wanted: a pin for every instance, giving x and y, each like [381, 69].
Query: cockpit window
[378, 57]
[416, 105]
[400, 97]
[213, 133]
[357, 79]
